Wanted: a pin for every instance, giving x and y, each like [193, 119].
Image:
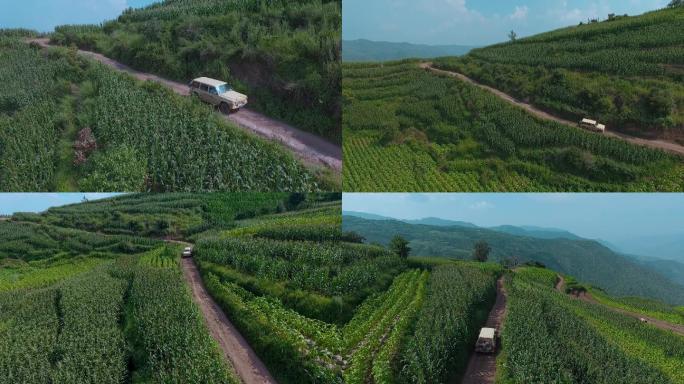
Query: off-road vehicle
[486, 342]
[218, 93]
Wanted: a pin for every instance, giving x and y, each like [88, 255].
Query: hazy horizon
[615, 218]
[473, 23]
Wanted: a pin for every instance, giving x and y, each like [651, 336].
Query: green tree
[481, 251]
[513, 36]
[399, 245]
[659, 103]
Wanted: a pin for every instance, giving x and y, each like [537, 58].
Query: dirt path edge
[312, 150]
[482, 368]
[664, 325]
[235, 348]
[667, 146]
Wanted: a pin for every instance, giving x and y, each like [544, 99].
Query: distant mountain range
[587, 260]
[368, 51]
[524, 230]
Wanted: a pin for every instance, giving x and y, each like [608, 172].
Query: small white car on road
[486, 342]
[592, 125]
[187, 252]
[218, 93]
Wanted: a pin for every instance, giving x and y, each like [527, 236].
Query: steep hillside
[625, 71]
[410, 130]
[270, 275]
[173, 215]
[366, 50]
[284, 54]
[673, 270]
[69, 124]
[549, 336]
[585, 259]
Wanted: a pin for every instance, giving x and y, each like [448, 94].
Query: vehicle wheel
[224, 108]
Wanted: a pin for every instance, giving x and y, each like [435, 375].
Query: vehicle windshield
[223, 88]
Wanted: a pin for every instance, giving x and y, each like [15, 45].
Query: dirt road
[664, 325]
[482, 368]
[560, 284]
[656, 144]
[235, 348]
[309, 148]
[587, 297]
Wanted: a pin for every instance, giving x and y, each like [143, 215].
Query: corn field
[625, 72]
[456, 305]
[407, 130]
[167, 143]
[71, 331]
[546, 335]
[630, 46]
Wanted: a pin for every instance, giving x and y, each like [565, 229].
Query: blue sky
[44, 15]
[611, 217]
[473, 22]
[39, 202]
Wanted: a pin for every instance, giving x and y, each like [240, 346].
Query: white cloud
[480, 205]
[519, 13]
[573, 15]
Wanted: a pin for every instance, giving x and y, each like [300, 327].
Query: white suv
[218, 93]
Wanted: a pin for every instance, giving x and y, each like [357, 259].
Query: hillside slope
[70, 124]
[550, 336]
[625, 71]
[409, 130]
[284, 54]
[587, 260]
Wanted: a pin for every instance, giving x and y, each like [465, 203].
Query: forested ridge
[587, 260]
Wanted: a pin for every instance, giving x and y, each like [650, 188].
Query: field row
[435, 133]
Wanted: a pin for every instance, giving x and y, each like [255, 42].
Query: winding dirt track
[587, 297]
[664, 325]
[247, 364]
[482, 368]
[656, 144]
[309, 148]
[560, 284]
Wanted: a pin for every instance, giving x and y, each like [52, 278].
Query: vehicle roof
[487, 333]
[209, 81]
[588, 121]
[600, 126]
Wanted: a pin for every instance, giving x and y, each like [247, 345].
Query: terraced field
[626, 72]
[547, 334]
[97, 287]
[69, 124]
[408, 130]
